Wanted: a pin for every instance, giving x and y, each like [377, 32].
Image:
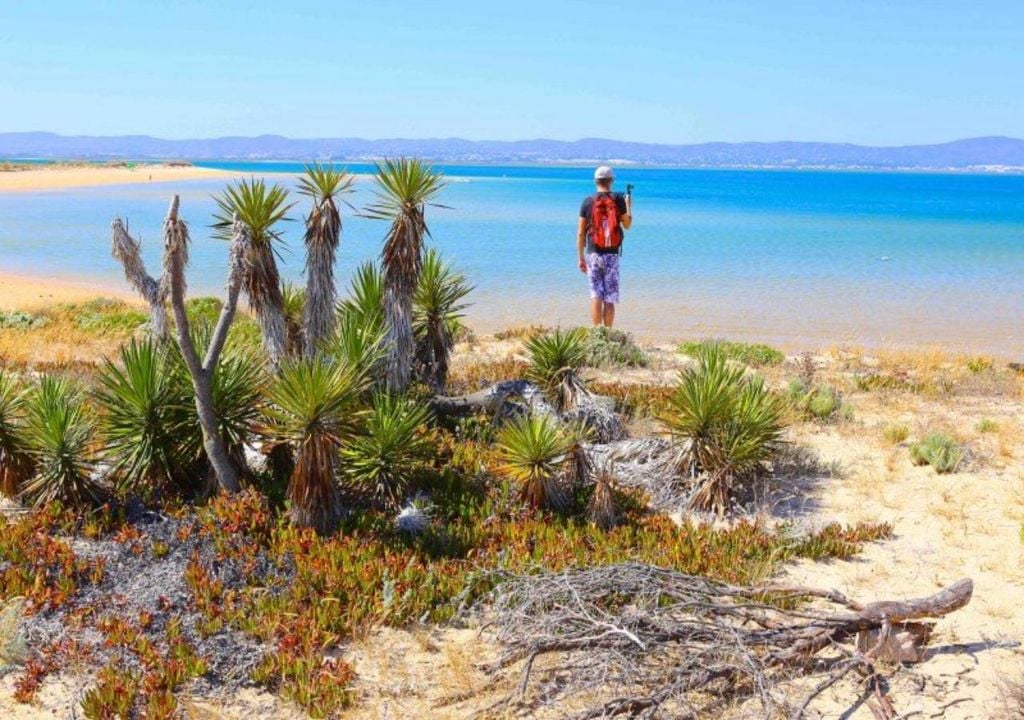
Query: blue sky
[903, 71]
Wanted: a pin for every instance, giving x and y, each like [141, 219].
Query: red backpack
[605, 230]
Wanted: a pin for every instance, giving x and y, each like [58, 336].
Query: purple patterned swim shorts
[603, 275]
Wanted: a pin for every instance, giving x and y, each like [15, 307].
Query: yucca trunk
[323, 235]
[435, 353]
[402, 260]
[262, 284]
[201, 369]
[15, 469]
[312, 492]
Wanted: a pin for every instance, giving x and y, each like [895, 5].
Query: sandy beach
[34, 292]
[57, 177]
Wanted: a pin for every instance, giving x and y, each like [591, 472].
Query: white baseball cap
[604, 173]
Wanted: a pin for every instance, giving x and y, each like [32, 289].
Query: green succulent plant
[438, 306]
[382, 460]
[313, 406]
[146, 418]
[534, 452]
[59, 432]
[729, 424]
[15, 461]
[556, 360]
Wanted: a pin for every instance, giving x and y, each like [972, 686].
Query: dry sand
[34, 292]
[56, 177]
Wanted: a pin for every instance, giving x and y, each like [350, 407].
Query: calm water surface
[800, 258]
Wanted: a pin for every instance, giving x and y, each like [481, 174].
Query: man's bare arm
[627, 219]
[581, 244]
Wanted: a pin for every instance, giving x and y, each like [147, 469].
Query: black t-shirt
[588, 202]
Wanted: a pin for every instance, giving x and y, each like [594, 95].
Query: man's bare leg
[609, 314]
[597, 311]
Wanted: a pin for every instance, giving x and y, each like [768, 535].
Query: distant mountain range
[983, 152]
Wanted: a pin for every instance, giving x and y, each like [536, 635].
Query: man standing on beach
[604, 216]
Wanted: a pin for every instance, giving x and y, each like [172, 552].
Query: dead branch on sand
[646, 642]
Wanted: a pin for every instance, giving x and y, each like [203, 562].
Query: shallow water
[801, 258]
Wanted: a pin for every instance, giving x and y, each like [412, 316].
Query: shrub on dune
[313, 407]
[437, 315]
[534, 450]
[816, 402]
[754, 354]
[940, 451]
[556, 360]
[59, 435]
[729, 425]
[382, 460]
[146, 418]
[15, 461]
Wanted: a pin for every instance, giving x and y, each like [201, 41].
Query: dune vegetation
[209, 494]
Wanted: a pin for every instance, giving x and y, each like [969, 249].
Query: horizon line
[519, 140]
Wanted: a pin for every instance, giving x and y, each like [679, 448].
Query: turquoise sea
[800, 258]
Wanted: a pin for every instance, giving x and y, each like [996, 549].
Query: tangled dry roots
[642, 641]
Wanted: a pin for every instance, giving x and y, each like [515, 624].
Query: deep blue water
[792, 256]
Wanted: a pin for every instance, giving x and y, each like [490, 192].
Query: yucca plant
[313, 406]
[603, 509]
[294, 299]
[365, 301]
[534, 452]
[404, 189]
[381, 461]
[15, 461]
[59, 435]
[728, 423]
[147, 417]
[437, 314]
[260, 208]
[556, 359]
[323, 185]
[359, 346]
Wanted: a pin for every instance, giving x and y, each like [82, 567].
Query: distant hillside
[971, 153]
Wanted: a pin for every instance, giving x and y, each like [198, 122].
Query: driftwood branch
[503, 400]
[127, 251]
[511, 398]
[642, 641]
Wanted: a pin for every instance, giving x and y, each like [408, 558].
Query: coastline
[647, 321]
[20, 291]
[60, 177]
